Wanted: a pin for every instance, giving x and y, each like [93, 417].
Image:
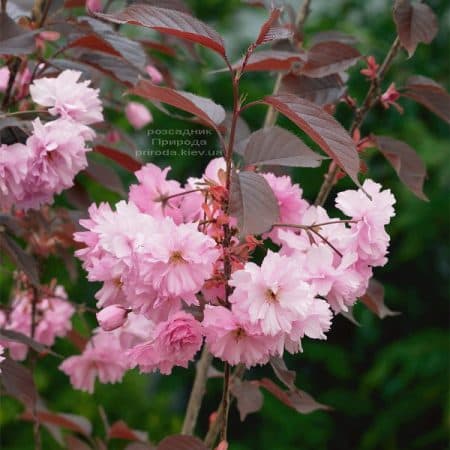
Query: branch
[198, 391]
[360, 115]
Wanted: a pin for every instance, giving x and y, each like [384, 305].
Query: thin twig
[198, 391]
[12, 78]
[303, 12]
[360, 115]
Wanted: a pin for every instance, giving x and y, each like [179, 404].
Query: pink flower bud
[223, 445]
[154, 74]
[112, 317]
[138, 115]
[94, 5]
[4, 78]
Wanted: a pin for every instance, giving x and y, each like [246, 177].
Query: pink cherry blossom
[316, 323]
[174, 343]
[101, 358]
[138, 115]
[4, 78]
[58, 153]
[151, 192]
[2, 358]
[372, 214]
[289, 197]
[14, 166]
[53, 319]
[273, 295]
[232, 338]
[68, 97]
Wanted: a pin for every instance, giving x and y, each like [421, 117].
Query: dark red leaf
[327, 58]
[271, 30]
[286, 376]
[140, 446]
[169, 21]
[125, 160]
[332, 35]
[71, 422]
[23, 260]
[18, 382]
[204, 108]
[15, 40]
[253, 203]
[11, 223]
[74, 443]
[278, 147]
[416, 23]
[180, 442]
[322, 128]
[249, 397]
[270, 60]
[374, 300]
[321, 91]
[429, 94]
[406, 162]
[120, 430]
[117, 68]
[100, 36]
[295, 399]
[78, 196]
[106, 176]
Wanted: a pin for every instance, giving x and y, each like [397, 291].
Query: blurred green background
[387, 380]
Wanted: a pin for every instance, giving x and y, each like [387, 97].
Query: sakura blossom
[52, 319]
[174, 343]
[68, 97]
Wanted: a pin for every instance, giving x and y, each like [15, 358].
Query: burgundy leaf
[321, 91]
[74, 443]
[286, 376]
[178, 5]
[430, 94]
[11, 223]
[332, 35]
[113, 66]
[271, 31]
[322, 128]
[125, 160]
[71, 422]
[18, 382]
[78, 196]
[253, 202]
[120, 430]
[204, 108]
[374, 300]
[23, 260]
[415, 22]
[278, 147]
[406, 162]
[113, 42]
[249, 397]
[295, 399]
[105, 176]
[270, 60]
[169, 21]
[140, 446]
[181, 442]
[326, 58]
[15, 40]
[15, 336]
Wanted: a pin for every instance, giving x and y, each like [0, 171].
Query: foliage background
[388, 381]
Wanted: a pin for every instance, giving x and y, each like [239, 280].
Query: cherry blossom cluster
[165, 291]
[46, 164]
[48, 319]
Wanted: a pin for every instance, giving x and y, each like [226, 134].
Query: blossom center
[271, 296]
[177, 258]
[239, 334]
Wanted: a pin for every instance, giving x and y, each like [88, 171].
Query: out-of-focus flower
[138, 115]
